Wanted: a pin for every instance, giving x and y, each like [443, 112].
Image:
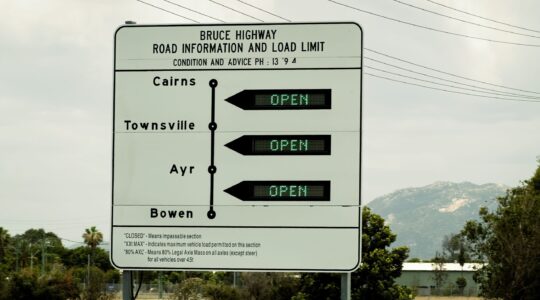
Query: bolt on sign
[237, 147]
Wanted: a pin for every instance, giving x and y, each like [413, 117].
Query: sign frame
[115, 70]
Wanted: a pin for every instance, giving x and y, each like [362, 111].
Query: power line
[448, 91]
[433, 88]
[68, 240]
[154, 6]
[447, 85]
[45, 223]
[192, 10]
[263, 10]
[453, 86]
[447, 73]
[63, 220]
[448, 80]
[230, 8]
[484, 18]
[418, 65]
[464, 21]
[430, 28]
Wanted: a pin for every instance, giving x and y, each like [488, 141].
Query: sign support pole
[345, 286]
[127, 289]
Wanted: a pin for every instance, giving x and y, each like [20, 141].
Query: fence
[147, 291]
[446, 291]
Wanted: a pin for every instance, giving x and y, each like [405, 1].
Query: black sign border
[272, 69]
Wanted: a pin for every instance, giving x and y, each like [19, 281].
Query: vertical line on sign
[212, 168]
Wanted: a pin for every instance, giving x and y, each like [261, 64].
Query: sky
[56, 93]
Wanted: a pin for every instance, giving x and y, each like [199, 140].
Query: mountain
[421, 217]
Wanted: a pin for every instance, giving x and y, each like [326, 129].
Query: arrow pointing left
[281, 190]
[282, 144]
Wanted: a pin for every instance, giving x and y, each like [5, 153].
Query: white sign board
[237, 147]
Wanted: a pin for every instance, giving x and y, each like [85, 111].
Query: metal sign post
[127, 289]
[237, 147]
[345, 286]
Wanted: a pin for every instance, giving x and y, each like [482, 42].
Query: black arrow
[281, 190]
[282, 99]
[282, 145]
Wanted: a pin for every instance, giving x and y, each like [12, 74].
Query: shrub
[58, 284]
[461, 283]
[189, 289]
[23, 285]
[220, 291]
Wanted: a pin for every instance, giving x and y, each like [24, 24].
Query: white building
[421, 278]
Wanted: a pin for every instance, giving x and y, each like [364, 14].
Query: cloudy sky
[56, 62]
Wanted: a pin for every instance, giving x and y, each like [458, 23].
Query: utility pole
[88, 273]
[17, 252]
[32, 256]
[17, 260]
[44, 245]
[42, 258]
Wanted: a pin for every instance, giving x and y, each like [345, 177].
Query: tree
[4, 243]
[4, 266]
[439, 272]
[221, 291]
[23, 285]
[189, 289]
[508, 241]
[92, 238]
[79, 257]
[461, 283]
[35, 244]
[455, 249]
[375, 277]
[462, 257]
[56, 285]
[380, 266]
[257, 285]
[274, 286]
[95, 288]
[450, 247]
[319, 286]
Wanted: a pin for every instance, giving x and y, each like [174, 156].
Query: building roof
[468, 267]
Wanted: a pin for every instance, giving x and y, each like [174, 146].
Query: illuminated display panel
[282, 145]
[300, 99]
[281, 190]
[291, 99]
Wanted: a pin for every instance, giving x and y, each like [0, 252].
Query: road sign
[237, 147]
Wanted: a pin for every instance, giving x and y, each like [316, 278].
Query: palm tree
[92, 237]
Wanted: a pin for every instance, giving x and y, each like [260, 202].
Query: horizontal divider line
[232, 269]
[239, 131]
[241, 57]
[234, 205]
[251, 227]
[262, 69]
